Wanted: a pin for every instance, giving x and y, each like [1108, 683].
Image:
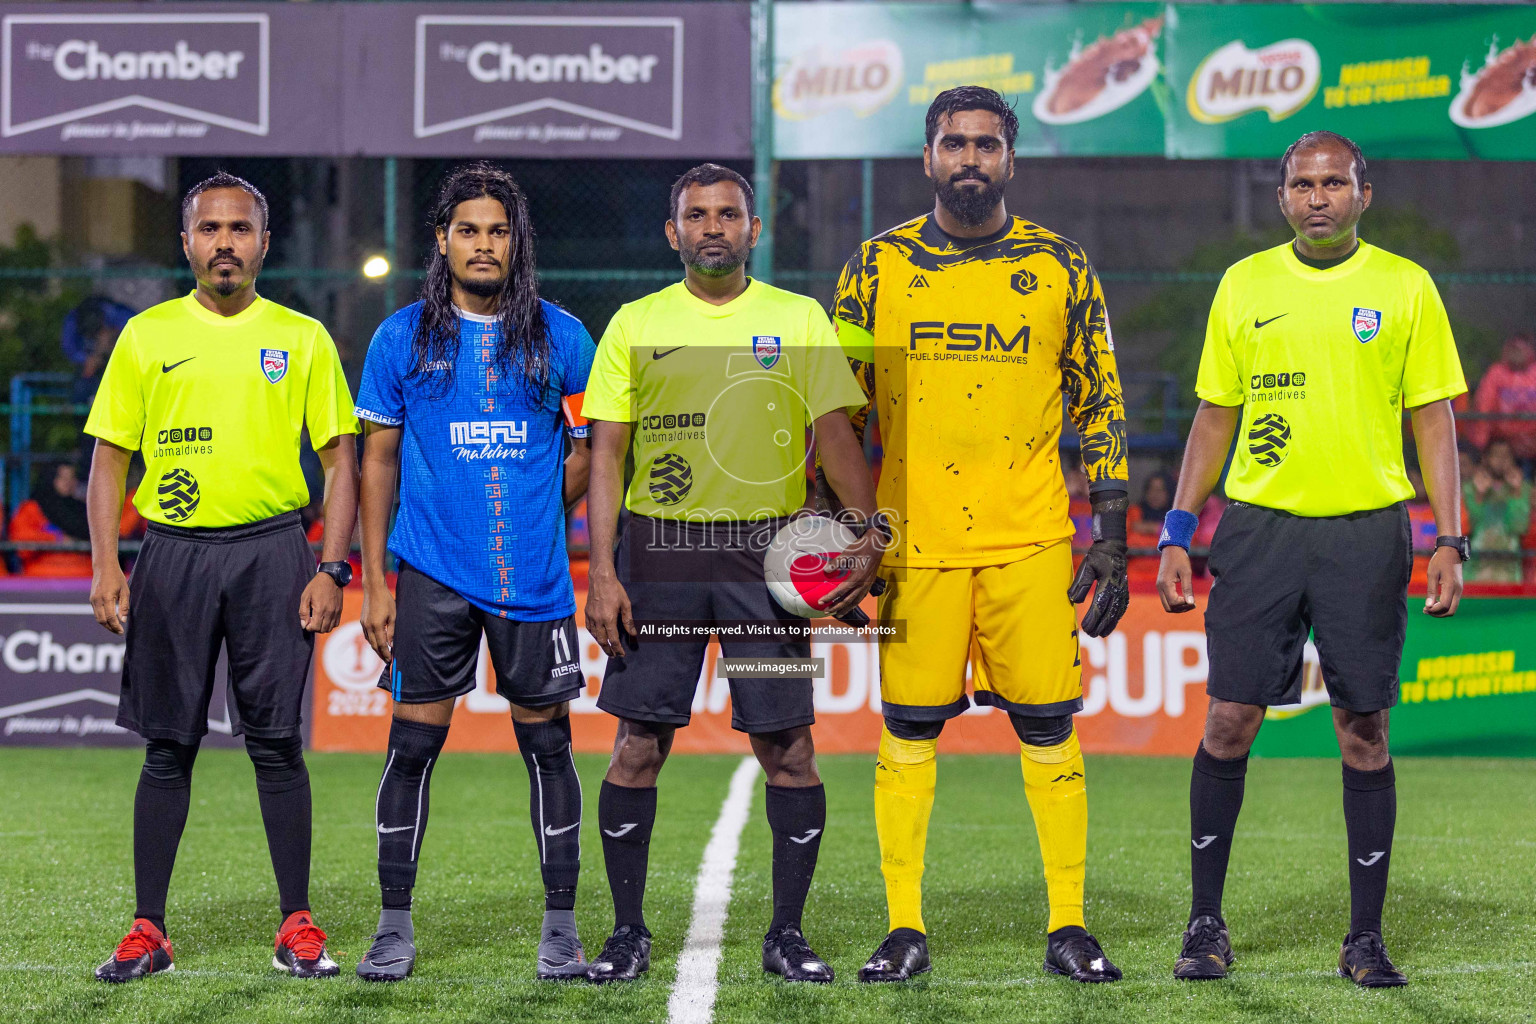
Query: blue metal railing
[26, 389]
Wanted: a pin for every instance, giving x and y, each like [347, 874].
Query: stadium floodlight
[375, 267]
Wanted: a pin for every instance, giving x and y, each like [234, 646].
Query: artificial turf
[1460, 916]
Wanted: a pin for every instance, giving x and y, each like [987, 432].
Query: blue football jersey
[481, 463]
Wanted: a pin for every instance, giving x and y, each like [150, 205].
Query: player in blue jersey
[467, 392]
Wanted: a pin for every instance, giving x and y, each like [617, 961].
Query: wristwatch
[1461, 544]
[880, 523]
[340, 572]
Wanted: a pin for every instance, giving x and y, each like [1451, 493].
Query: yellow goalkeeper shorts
[1012, 623]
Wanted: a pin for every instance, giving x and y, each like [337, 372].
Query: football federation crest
[766, 348]
[274, 363]
[1367, 323]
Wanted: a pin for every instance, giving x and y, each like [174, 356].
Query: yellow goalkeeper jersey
[966, 347]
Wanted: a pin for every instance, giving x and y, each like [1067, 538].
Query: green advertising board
[855, 80]
[1409, 81]
[1468, 687]
[1412, 82]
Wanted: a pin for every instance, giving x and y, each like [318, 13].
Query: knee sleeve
[903, 729]
[1041, 732]
[279, 763]
[168, 764]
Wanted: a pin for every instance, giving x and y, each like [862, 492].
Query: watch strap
[880, 523]
[1462, 545]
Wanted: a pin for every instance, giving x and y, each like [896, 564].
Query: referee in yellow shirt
[214, 388]
[711, 383]
[1312, 352]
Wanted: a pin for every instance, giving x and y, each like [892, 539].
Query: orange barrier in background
[1144, 693]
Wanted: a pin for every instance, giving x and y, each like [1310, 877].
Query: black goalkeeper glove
[1104, 562]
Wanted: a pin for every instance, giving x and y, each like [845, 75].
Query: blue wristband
[1178, 529]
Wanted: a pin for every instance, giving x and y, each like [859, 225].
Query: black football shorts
[697, 573]
[1280, 576]
[437, 649]
[197, 589]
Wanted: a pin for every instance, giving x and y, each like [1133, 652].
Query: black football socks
[796, 816]
[401, 809]
[555, 806]
[626, 817]
[282, 785]
[159, 816]
[1215, 798]
[1370, 816]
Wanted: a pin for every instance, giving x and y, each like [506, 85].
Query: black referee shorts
[437, 649]
[701, 573]
[196, 589]
[1279, 576]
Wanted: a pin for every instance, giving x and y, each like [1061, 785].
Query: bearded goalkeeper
[965, 326]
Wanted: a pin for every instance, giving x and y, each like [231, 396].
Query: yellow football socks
[905, 776]
[1053, 783]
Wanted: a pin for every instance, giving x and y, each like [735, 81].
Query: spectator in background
[55, 513]
[1498, 503]
[89, 335]
[1145, 522]
[1466, 460]
[1509, 386]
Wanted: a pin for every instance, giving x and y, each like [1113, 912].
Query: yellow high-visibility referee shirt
[721, 397]
[217, 404]
[1323, 362]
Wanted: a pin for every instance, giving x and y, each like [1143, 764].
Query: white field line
[693, 993]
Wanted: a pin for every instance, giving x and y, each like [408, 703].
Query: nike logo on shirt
[403, 828]
[658, 353]
[1257, 323]
[167, 369]
[622, 830]
[559, 831]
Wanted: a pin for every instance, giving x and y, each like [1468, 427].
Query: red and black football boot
[299, 949]
[144, 950]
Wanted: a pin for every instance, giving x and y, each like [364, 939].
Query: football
[799, 564]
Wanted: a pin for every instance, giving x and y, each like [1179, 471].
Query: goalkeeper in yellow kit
[965, 327]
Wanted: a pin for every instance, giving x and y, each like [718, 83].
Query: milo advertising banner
[1468, 686]
[855, 80]
[1420, 82]
[1417, 81]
